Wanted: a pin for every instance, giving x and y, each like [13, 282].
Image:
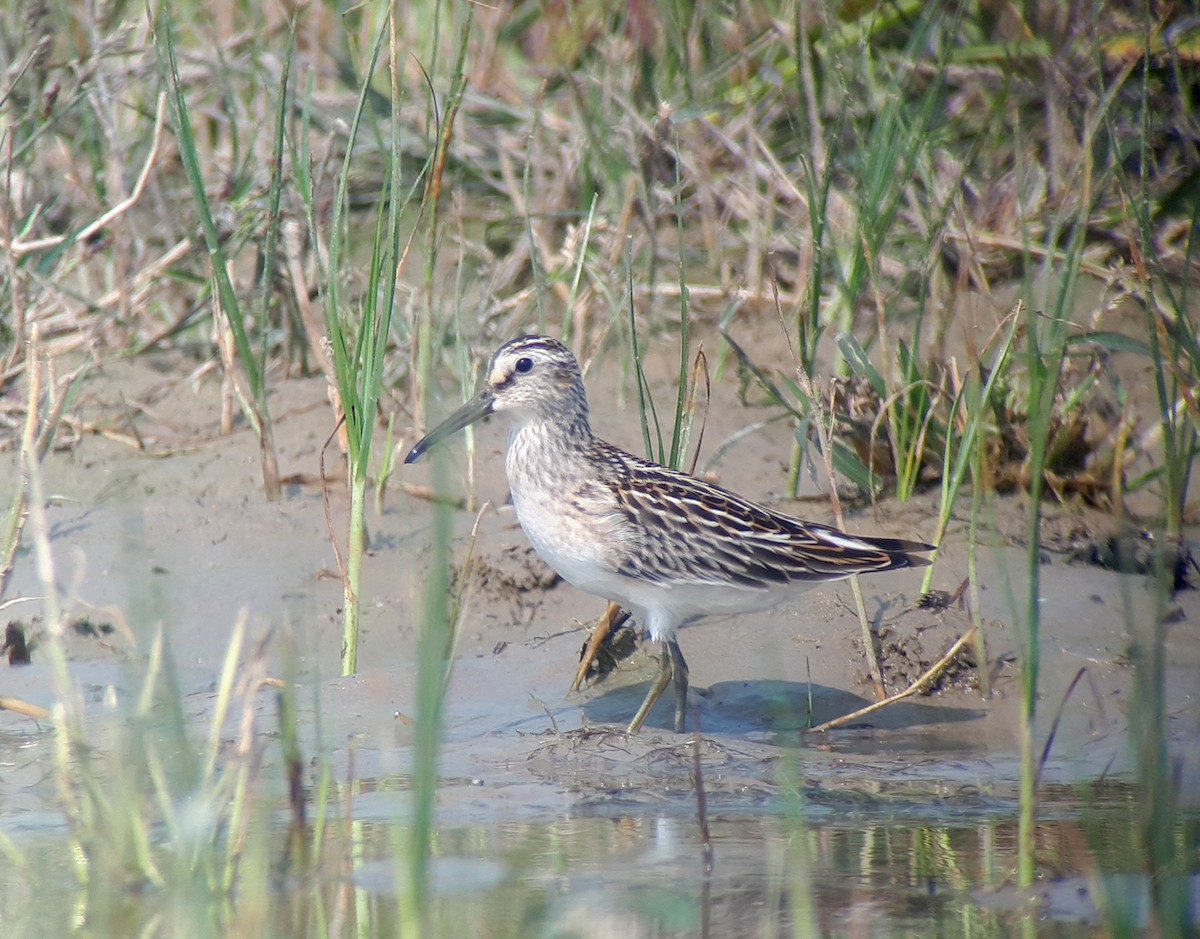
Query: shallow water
[883, 858]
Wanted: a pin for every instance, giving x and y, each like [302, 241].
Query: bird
[667, 546]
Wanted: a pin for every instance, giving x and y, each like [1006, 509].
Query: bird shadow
[773, 707]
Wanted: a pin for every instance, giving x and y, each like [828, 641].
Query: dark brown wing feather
[683, 529]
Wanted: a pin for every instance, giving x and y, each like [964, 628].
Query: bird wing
[682, 529]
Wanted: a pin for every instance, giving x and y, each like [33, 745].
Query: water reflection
[865, 870]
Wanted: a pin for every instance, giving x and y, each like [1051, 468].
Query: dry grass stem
[923, 682]
[17, 706]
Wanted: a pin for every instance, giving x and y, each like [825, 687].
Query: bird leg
[679, 667]
[612, 617]
[670, 664]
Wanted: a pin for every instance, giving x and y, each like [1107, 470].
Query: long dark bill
[477, 408]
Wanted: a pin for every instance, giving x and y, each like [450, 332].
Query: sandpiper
[667, 546]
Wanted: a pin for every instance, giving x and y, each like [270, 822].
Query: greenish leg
[679, 667]
[671, 664]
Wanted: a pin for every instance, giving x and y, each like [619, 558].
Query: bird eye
[524, 365]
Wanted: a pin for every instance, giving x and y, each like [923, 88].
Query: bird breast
[569, 516]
